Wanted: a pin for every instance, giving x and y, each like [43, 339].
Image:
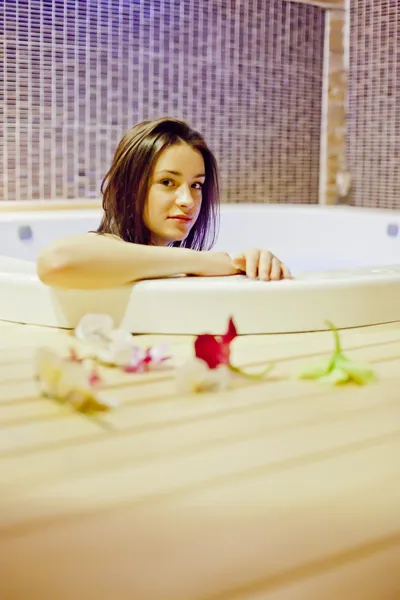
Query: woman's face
[175, 193]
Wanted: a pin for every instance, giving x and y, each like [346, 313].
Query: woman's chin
[177, 238]
[177, 234]
[165, 239]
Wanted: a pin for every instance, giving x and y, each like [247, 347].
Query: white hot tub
[345, 262]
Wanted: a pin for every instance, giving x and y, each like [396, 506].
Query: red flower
[214, 350]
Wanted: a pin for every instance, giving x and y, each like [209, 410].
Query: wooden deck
[280, 490]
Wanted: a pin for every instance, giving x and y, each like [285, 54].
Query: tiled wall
[76, 74]
[374, 103]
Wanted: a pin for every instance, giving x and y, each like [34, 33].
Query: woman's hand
[213, 264]
[261, 264]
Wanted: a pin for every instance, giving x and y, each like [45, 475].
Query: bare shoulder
[111, 236]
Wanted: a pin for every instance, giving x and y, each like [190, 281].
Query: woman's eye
[198, 185]
[167, 182]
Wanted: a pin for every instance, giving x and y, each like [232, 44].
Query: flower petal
[69, 381]
[115, 355]
[335, 377]
[49, 371]
[221, 378]
[74, 356]
[88, 402]
[195, 376]
[359, 373]
[230, 334]
[94, 328]
[116, 347]
[94, 378]
[119, 336]
[159, 354]
[136, 362]
[208, 349]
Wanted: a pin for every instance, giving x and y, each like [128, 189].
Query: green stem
[254, 376]
[338, 349]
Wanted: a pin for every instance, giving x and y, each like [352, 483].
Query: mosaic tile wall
[374, 103]
[76, 74]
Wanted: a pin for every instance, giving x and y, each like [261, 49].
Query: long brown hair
[125, 185]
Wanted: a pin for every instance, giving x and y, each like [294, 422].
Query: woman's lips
[181, 219]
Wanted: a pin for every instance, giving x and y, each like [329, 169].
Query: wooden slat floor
[280, 490]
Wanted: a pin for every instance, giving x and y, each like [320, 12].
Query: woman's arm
[92, 261]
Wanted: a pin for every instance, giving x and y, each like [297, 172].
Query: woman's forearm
[91, 261]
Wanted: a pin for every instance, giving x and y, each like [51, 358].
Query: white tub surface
[346, 263]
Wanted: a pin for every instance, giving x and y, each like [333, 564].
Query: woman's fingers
[247, 262]
[279, 270]
[285, 272]
[252, 263]
[276, 269]
[261, 264]
[265, 265]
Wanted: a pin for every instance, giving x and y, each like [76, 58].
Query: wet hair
[126, 184]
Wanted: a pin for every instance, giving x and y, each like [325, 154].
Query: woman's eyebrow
[178, 173]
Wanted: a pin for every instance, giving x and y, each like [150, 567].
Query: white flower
[95, 329]
[70, 381]
[117, 353]
[159, 354]
[196, 376]
[115, 347]
[110, 346]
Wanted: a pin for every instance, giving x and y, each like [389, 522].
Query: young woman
[161, 207]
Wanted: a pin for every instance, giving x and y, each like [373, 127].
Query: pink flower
[142, 360]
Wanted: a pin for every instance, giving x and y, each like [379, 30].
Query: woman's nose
[184, 196]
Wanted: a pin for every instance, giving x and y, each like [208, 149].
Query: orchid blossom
[115, 347]
[338, 369]
[69, 380]
[211, 368]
